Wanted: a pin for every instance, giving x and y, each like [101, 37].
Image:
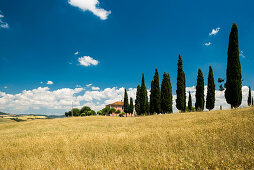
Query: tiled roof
[117, 104]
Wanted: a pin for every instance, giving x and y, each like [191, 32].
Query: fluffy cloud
[88, 85]
[95, 88]
[43, 100]
[87, 61]
[91, 5]
[214, 31]
[76, 53]
[2, 23]
[208, 44]
[50, 82]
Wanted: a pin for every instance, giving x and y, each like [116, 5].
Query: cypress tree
[233, 92]
[152, 99]
[249, 97]
[137, 101]
[180, 92]
[126, 103]
[252, 102]
[166, 94]
[131, 106]
[190, 102]
[157, 92]
[143, 97]
[210, 97]
[199, 106]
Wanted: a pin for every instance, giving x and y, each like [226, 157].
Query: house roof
[116, 104]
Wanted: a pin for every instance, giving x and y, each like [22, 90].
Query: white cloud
[2, 23]
[76, 53]
[87, 61]
[88, 85]
[42, 100]
[214, 31]
[242, 54]
[5, 87]
[95, 88]
[208, 44]
[92, 6]
[41, 82]
[50, 82]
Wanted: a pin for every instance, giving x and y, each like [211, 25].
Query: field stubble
[200, 140]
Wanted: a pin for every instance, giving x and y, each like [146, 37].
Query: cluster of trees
[84, 111]
[161, 96]
[107, 111]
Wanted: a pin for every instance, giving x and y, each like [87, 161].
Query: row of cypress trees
[161, 98]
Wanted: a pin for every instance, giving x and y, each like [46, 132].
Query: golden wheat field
[201, 140]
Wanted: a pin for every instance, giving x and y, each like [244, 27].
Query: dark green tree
[210, 97]
[190, 102]
[252, 102]
[199, 105]
[131, 106]
[76, 112]
[85, 109]
[143, 97]
[126, 102]
[166, 94]
[233, 92]
[180, 92]
[152, 99]
[156, 92]
[137, 101]
[249, 97]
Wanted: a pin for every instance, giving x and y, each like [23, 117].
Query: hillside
[216, 139]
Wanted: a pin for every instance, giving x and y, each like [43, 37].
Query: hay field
[201, 140]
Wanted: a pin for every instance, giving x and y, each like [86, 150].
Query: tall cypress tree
[126, 103]
[157, 92]
[252, 102]
[233, 92]
[210, 97]
[131, 106]
[143, 97]
[152, 99]
[137, 101]
[249, 97]
[166, 94]
[190, 102]
[180, 92]
[199, 106]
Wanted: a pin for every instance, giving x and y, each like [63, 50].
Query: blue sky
[120, 39]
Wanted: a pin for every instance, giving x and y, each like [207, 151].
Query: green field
[198, 140]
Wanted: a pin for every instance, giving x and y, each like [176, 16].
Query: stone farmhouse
[119, 105]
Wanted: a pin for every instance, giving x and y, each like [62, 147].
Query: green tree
[190, 102]
[106, 110]
[233, 92]
[131, 106]
[152, 99]
[118, 111]
[199, 106]
[112, 110]
[249, 97]
[126, 102]
[252, 102]
[210, 97]
[156, 92]
[180, 92]
[85, 109]
[76, 112]
[143, 97]
[137, 101]
[166, 94]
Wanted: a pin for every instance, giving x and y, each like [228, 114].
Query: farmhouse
[119, 105]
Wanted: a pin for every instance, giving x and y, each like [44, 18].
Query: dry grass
[208, 140]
